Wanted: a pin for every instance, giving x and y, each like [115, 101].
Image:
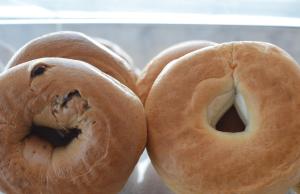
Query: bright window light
[242, 12]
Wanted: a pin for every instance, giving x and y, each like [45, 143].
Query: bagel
[190, 96]
[156, 65]
[115, 48]
[119, 51]
[78, 46]
[67, 128]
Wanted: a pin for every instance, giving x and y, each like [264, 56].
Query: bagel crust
[78, 46]
[115, 48]
[156, 65]
[65, 95]
[192, 156]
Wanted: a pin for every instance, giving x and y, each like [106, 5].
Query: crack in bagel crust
[69, 97]
[191, 156]
[66, 132]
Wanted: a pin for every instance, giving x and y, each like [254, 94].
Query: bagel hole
[56, 137]
[230, 122]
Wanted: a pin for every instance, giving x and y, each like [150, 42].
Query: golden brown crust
[193, 157]
[109, 115]
[119, 51]
[156, 65]
[116, 49]
[75, 45]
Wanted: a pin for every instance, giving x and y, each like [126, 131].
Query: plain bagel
[192, 93]
[78, 46]
[115, 48]
[67, 128]
[156, 65]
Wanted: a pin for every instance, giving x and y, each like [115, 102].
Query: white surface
[145, 180]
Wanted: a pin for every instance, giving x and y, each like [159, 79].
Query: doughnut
[193, 155]
[78, 46]
[156, 65]
[67, 128]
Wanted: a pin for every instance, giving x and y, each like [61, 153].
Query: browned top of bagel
[102, 120]
[115, 48]
[156, 65]
[193, 157]
[75, 45]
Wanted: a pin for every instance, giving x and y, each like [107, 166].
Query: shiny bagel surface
[78, 46]
[115, 48]
[156, 65]
[69, 96]
[192, 93]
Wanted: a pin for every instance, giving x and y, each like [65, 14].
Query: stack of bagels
[70, 120]
[215, 118]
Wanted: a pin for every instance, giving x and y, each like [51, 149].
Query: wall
[143, 41]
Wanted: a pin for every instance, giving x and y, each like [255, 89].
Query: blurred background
[144, 28]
